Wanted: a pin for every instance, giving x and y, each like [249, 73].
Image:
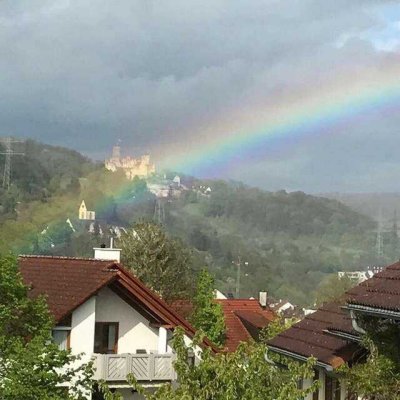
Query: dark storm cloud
[84, 73]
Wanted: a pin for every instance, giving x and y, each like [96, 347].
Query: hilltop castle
[132, 167]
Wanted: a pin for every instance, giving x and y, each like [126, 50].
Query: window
[106, 337]
[332, 388]
[61, 337]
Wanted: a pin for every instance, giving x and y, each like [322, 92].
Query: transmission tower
[159, 211]
[379, 237]
[238, 264]
[7, 143]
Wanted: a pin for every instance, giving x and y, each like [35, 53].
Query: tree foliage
[283, 236]
[31, 366]
[207, 314]
[376, 375]
[332, 288]
[161, 262]
[244, 374]
[375, 378]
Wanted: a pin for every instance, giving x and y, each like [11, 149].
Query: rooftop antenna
[8, 152]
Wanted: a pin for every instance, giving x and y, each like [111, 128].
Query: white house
[85, 214]
[105, 312]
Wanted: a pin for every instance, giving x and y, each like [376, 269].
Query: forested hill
[294, 213]
[45, 187]
[290, 241]
[41, 171]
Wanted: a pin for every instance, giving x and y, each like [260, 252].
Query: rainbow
[252, 132]
[305, 115]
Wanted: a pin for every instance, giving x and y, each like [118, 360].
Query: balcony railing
[144, 367]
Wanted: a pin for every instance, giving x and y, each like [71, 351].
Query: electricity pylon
[7, 143]
[379, 238]
[159, 211]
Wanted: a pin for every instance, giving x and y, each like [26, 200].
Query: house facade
[333, 333]
[106, 313]
[85, 214]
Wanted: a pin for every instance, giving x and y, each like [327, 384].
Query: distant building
[219, 295]
[244, 318]
[140, 167]
[85, 214]
[359, 276]
[286, 310]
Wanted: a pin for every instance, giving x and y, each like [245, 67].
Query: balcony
[144, 367]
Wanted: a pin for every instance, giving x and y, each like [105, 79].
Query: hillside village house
[105, 312]
[85, 214]
[332, 334]
[244, 318]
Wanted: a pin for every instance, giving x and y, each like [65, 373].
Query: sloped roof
[382, 291]
[68, 282]
[243, 319]
[312, 337]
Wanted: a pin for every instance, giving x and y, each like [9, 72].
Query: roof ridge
[35, 256]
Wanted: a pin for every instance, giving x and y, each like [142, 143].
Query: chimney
[262, 298]
[110, 253]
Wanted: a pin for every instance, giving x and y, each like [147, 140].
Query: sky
[174, 78]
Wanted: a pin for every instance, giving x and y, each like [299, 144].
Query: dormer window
[106, 338]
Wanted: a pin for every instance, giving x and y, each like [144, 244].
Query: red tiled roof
[243, 318]
[258, 319]
[66, 282]
[382, 291]
[310, 337]
[69, 282]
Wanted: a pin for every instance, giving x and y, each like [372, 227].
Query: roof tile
[237, 312]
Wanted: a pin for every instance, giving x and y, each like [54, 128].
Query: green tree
[244, 374]
[31, 366]
[332, 288]
[161, 262]
[207, 314]
[375, 378]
